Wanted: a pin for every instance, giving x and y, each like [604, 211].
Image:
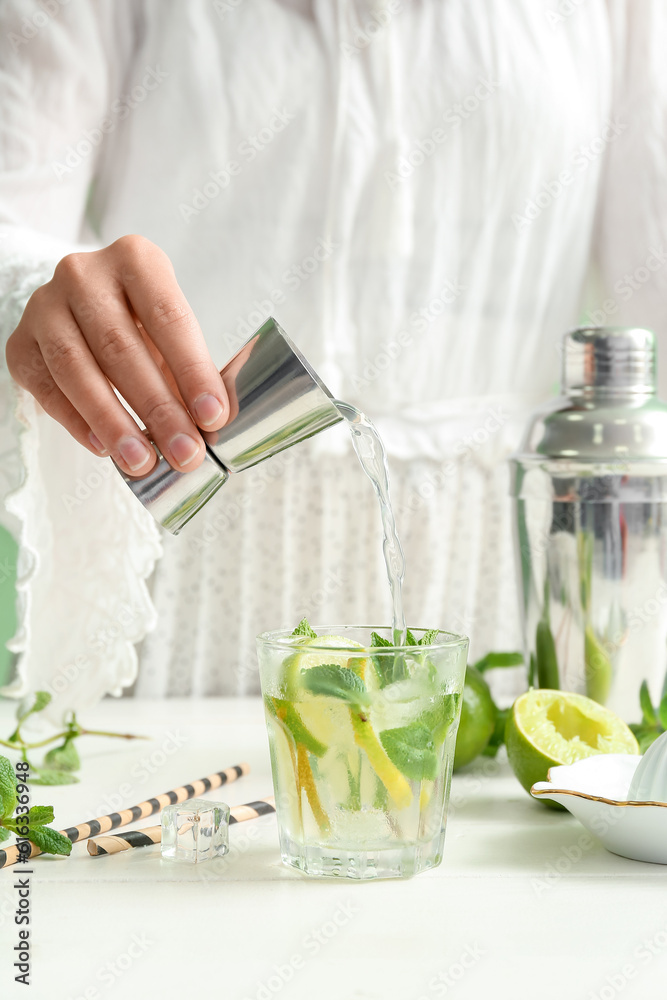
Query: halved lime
[547, 728]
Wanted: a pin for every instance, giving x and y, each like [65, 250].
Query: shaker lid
[609, 359]
[608, 413]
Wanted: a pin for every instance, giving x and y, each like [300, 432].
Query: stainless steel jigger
[275, 399]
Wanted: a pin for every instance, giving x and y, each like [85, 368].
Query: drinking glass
[361, 735]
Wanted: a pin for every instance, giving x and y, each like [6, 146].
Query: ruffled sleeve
[85, 545]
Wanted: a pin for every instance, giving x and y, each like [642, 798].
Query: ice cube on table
[194, 831]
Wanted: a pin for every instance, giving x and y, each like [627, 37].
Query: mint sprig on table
[59, 763]
[31, 825]
[57, 768]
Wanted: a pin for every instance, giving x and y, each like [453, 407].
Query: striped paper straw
[148, 808]
[118, 842]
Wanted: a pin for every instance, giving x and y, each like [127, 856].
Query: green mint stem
[104, 732]
[20, 745]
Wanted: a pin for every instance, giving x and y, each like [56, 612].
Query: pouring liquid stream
[373, 458]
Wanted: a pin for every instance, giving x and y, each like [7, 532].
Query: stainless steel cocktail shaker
[276, 400]
[590, 497]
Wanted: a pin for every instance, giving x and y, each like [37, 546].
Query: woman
[417, 190]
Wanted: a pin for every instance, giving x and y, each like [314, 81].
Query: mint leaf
[410, 639]
[662, 712]
[39, 815]
[303, 628]
[50, 841]
[7, 788]
[412, 750]
[36, 816]
[286, 713]
[645, 735]
[334, 681]
[49, 776]
[389, 667]
[42, 699]
[377, 640]
[429, 637]
[648, 711]
[63, 758]
[440, 717]
[4, 834]
[493, 660]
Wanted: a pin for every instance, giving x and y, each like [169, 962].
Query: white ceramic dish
[595, 790]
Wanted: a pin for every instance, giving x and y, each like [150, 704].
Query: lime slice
[547, 728]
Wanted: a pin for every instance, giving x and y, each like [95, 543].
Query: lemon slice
[547, 728]
[336, 649]
[326, 720]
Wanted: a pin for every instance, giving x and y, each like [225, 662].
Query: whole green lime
[478, 719]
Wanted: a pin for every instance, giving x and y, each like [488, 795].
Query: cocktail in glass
[362, 736]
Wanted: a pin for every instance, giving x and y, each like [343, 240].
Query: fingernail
[183, 448]
[208, 409]
[97, 444]
[134, 452]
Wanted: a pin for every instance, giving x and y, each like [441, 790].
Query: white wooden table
[517, 909]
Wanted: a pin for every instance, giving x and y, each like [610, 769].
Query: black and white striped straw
[101, 824]
[117, 842]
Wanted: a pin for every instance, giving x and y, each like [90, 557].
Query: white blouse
[417, 190]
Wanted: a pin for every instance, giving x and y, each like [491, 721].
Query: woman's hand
[117, 318]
